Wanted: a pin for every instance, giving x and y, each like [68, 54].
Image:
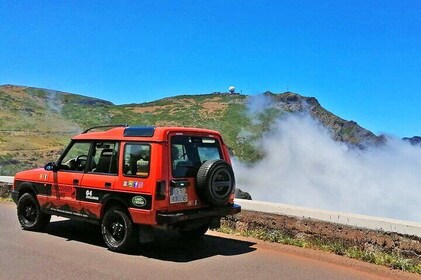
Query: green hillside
[36, 124]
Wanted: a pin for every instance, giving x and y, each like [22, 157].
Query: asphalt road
[71, 250]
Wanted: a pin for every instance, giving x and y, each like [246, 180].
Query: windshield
[188, 153]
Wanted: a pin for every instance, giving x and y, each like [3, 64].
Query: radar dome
[231, 89]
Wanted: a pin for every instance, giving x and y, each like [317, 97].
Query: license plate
[178, 195]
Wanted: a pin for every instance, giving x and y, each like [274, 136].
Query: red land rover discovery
[131, 179]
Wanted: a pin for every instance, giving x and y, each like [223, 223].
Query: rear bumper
[197, 214]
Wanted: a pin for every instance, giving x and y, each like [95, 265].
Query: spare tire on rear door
[215, 182]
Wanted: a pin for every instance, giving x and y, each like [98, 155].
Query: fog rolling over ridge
[303, 166]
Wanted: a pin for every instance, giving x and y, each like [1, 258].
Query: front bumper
[15, 196]
[168, 218]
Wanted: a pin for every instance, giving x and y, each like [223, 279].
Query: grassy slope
[36, 124]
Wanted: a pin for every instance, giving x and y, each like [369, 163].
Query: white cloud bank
[304, 166]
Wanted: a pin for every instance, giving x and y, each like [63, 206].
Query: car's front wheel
[29, 213]
[118, 230]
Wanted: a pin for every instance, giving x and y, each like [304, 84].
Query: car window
[76, 157]
[104, 157]
[208, 153]
[189, 153]
[137, 159]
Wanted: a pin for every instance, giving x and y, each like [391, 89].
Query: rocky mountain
[416, 140]
[342, 130]
[36, 124]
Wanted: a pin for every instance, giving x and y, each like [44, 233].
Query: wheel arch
[27, 187]
[111, 200]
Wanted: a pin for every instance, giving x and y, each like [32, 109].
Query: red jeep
[131, 179]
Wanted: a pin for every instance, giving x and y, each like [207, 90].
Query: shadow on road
[168, 246]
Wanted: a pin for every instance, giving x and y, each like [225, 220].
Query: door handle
[75, 182]
[107, 185]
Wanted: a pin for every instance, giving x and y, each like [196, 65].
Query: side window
[104, 158]
[137, 159]
[76, 158]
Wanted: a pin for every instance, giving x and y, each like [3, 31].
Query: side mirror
[51, 166]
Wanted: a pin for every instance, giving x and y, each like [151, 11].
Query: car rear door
[188, 153]
[100, 177]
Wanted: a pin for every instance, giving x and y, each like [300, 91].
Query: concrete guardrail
[348, 219]
[354, 220]
[6, 179]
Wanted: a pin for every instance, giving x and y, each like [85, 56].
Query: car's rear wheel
[118, 230]
[29, 213]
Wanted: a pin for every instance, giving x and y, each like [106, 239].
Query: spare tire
[215, 182]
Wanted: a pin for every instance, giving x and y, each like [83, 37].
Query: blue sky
[360, 59]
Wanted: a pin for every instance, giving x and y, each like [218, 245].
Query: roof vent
[139, 131]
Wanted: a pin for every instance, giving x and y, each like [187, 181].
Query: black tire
[195, 233]
[215, 182]
[29, 213]
[118, 230]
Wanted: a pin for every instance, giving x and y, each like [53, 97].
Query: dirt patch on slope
[213, 106]
[150, 109]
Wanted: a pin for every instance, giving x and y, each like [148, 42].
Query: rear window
[188, 153]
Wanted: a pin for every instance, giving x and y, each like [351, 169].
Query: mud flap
[215, 223]
[145, 234]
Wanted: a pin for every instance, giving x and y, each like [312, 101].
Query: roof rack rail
[104, 126]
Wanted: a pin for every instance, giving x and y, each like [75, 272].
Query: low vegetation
[5, 189]
[389, 259]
